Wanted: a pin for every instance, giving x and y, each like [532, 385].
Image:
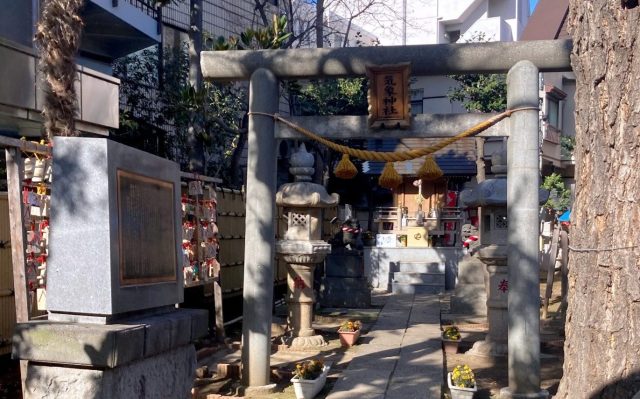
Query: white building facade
[448, 21]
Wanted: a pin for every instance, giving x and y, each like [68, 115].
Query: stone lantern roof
[493, 192]
[302, 193]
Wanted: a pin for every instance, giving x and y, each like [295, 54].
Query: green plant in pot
[462, 382]
[450, 339]
[349, 332]
[451, 333]
[308, 378]
[309, 370]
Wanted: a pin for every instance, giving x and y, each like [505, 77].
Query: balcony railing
[551, 134]
[146, 7]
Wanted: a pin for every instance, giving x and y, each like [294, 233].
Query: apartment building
[557, 91]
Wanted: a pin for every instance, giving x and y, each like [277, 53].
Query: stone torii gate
[522, 60]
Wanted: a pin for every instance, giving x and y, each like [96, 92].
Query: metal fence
[144, 6]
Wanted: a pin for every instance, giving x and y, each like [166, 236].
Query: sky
[532, 5]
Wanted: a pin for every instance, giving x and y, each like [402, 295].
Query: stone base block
[167, 375]
[471, 271]
[505, 393]
[357, 299]
[345, 292]
[111, 345]
[306, 343]
[344, 265]
[489, 348]
[469, 299]
[259, 391]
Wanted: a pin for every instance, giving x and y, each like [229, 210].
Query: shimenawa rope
[396, 156]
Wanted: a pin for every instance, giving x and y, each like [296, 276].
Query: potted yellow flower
[462, 382]
[309, 378]
[349, 333]
[450, 339]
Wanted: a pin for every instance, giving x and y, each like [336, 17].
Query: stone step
[401, 288]
[419, 278]
[420, 267]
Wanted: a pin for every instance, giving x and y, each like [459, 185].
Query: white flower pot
[460, 392]
[307, 389]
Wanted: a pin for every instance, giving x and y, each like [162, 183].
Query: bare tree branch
[224, 126]
[260, 5]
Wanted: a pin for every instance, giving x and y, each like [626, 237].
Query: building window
[452, 36]
[553, 112]
[553, 108]
[416, 101]
[416, 108]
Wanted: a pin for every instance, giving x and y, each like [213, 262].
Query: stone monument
[302, 247]
[113, 282]
[345, 284]
[470, 296]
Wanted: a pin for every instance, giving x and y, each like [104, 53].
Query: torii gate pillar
[257, 296]
[522, 215]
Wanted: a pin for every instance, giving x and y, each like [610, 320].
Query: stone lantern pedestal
[495, 343]
[303, 203]
[301, 258]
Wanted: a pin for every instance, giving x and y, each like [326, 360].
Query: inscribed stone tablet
[146, 233]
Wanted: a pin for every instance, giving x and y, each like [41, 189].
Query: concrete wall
[22, 96]
[16, 21]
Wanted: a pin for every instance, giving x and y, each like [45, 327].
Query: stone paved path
[403, 358]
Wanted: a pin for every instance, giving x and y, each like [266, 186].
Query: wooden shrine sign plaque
[389, 105]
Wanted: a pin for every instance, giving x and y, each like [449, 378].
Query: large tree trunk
[603, 318]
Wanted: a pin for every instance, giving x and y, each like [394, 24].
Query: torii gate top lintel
[426, 60]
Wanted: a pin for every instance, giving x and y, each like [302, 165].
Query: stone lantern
[302, 248]
[491, 196]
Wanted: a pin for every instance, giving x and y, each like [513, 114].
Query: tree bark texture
[603, 318]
